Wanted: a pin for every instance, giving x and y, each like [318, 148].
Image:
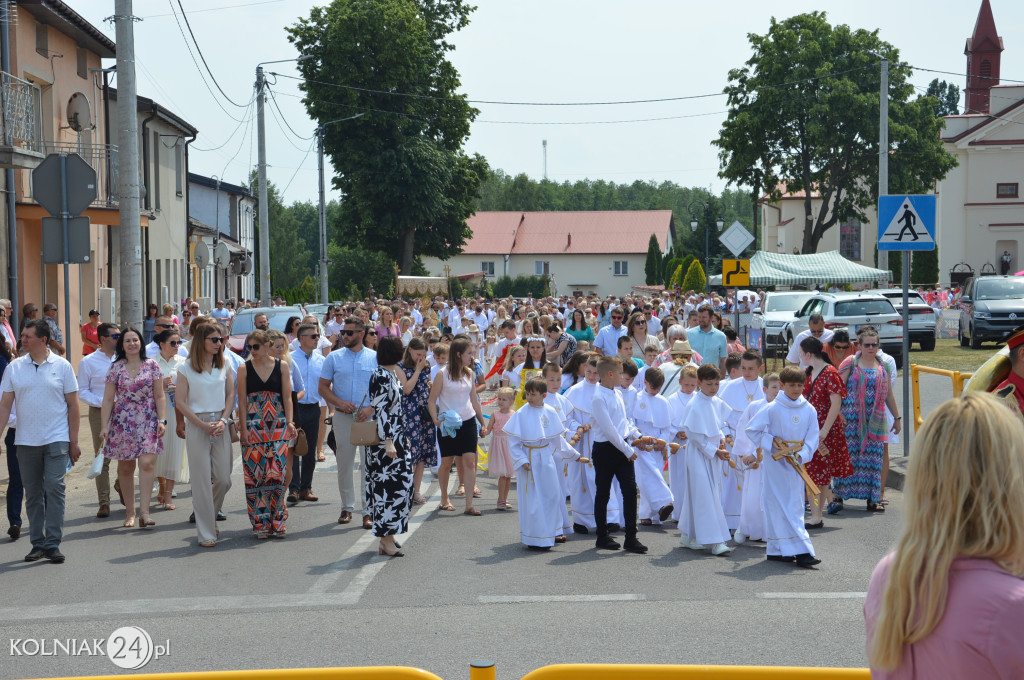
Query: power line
[594, 103]
[963, 75]
[284, 134]
[247, 116]
[200, 51]
[301, 163]
[273, 99]
[215, 9]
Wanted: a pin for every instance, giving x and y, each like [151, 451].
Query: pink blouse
[979, 634]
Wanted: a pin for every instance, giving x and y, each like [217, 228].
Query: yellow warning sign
[735, 273]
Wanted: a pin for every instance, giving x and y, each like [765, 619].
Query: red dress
[818, 393]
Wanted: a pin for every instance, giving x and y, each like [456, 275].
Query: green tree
[652, 267]
[895, 266]
[669, 271]
[948, 96]
[360, 268]
[407, 183]
[695, 278]
[677, 277]
[804, 116]
[924, 267]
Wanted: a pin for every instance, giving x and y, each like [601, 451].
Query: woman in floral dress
[133, 421]
[824, 390]
[388, 477]
[419, 428]
[867, 395]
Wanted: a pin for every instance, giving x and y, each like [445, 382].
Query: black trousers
[610, 463]
[307, 418]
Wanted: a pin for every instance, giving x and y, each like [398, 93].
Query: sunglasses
[215, 338]
[840, 348]
[373, 333]
[165, 325]
[868, 345]
[175, 343]
[314, 336]
[617, 317]
[113, 336]
[640, 322]
[350, 332]
[253, 348]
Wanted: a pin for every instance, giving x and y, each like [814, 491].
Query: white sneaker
[694, 545]
[739, 537]
[720, 549]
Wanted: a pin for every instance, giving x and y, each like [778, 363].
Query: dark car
[991, 307]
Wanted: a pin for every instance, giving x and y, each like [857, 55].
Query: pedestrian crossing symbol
[906, 222]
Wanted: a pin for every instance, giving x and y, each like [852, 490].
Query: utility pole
[128, 190]
[264, 211]
[323, 216]
[883, 148]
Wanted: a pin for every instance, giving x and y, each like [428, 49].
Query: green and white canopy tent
[780, 269]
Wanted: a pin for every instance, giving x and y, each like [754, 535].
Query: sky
[540, 51]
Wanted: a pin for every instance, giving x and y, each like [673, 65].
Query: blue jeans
[42, 471]
[15, 490]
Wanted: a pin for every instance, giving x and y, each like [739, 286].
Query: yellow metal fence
[959, 380]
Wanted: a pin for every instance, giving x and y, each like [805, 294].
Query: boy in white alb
[582, 480]
[625, 387]
[613, 457]
[653, 418]
[702, 521]
[752, 508]
[678, 403]
[737, 395]
[793, 423]
[553, 378]
[535, 433]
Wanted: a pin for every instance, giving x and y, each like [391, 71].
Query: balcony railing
[21, 117]
[102, 158]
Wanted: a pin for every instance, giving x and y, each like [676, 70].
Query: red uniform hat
[1016, 340]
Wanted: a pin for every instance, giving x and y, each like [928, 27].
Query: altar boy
[535, 433]
[752, 458]
[789, 422]
[737, 395]
[653, 417]
[678, 403]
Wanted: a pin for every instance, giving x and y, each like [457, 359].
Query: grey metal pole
[12, 219]
[264, 211]
[883, 148]
[905, 409]
[216, 240]
[707, 250]
[128, 190]
[67, 250]
[323, 216]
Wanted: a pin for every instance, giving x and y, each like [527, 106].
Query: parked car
[921, 316]
[853, 310]
[774, 314]
[243, 323]
[991, 307]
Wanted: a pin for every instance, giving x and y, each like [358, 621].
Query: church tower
[983, 53]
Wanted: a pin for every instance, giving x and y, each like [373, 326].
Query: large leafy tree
[948, 96]
[408, 187]
[804, 117]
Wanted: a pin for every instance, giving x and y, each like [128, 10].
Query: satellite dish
[78, 112]
[221, 255]
[246, 266]
[201, 255]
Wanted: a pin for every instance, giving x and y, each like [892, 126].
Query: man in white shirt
[92, 382]
[44, 386]
[221, 313]
[816, 329]
[653, 323]
[455, 319]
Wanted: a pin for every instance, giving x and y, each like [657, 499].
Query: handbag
[364, 433]
[301, 445]
[96, 469]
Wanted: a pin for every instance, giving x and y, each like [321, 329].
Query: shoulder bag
[364, 433]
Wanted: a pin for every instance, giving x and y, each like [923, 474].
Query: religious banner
[420, 286]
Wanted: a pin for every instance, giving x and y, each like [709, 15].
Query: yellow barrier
[584, 671]
[958, 378]
[354, 673]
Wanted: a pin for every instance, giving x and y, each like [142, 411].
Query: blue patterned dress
[865, 437]
[419, 429]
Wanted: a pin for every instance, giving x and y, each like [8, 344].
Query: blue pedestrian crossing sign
[906, 222]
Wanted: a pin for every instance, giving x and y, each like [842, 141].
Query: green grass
[948, 355]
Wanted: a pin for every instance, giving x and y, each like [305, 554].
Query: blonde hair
[965, 488]
[507, 392]
[510, 357]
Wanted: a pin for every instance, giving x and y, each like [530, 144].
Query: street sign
[906, 222]
[79, 243]
[736, 238]
[80, 183]
[735, 273]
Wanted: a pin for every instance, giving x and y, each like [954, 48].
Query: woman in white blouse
[172, 465]
[205, 397]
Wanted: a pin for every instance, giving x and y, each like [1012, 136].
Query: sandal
[472, 512]
[834, 507]
[145, 522]
[278, 534]
[320, 457]
[129, 522]
[875, 507]
[207, 544]
[261, 535]
[448, 507]
[418, 499]
[646, 523]
[883, 502]
[461, 491]
[477, 493]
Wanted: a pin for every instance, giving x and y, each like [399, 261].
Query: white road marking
[515, 599]
[842, 595]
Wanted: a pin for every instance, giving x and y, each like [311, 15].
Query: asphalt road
[466, 589]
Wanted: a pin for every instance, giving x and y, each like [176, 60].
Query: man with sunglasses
[607, 341]
[92, 381]
[815, 329]
[310, 412]
[345, 384]
[160, 324]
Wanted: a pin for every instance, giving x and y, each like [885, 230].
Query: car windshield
[242, 323]
[864, 307]
[786, 303]
[1000, 289]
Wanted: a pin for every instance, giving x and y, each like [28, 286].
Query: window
[42, 39]
[487, 268]
[541, 267]
[83, 63]
[1007, 190]
[621, 267]
[849, 239]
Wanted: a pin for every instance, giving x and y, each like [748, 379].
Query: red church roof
[567, 232]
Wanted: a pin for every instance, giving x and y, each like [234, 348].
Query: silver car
[920, 314]
[852, 311]
[774, 313]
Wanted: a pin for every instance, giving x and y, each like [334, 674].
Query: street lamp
[261, 151]
[324, 262]
[702, 208]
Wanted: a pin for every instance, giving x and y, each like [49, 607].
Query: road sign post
[906, 223]
[736, 238]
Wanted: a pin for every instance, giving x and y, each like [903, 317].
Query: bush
[670, 269]
[695, 279]
[677, 277]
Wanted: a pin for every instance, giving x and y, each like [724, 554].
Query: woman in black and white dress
[388, 476]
